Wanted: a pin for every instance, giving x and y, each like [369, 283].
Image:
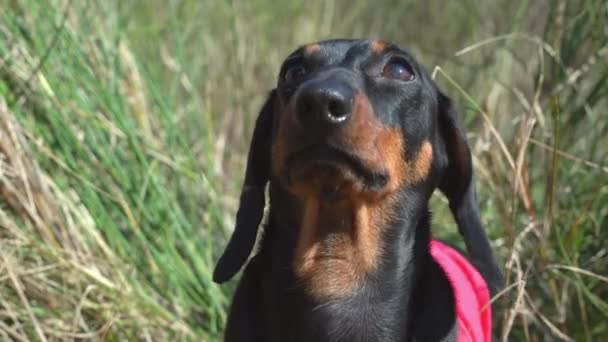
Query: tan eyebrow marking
[311, 49]
[379, 46]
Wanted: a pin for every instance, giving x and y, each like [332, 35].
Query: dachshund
[352, 143]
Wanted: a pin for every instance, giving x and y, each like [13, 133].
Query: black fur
[408, 298]
[457, 183]
[251, 205]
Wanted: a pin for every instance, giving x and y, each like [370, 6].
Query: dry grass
[53, 256]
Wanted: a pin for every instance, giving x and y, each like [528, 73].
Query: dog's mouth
[332, 173]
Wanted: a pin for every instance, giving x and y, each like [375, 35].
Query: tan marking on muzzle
[422, 164]
[340, 243]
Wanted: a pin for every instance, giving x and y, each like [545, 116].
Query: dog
[352, 143]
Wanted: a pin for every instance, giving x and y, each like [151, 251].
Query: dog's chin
[332, 175]
[326, 181]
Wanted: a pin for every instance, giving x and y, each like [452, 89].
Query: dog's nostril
[337, 110]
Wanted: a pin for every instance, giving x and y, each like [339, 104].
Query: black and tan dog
[352, 141]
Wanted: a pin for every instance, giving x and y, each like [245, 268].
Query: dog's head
[357, 121]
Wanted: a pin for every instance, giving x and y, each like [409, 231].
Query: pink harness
[471, 293]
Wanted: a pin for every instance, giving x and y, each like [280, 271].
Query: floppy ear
[457, 183]
[251, 205]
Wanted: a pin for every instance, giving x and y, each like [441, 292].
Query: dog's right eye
[398, 69]
[294, 73]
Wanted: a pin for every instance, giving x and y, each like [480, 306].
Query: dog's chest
[354, 319]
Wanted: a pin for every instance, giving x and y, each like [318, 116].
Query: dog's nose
[324, 104]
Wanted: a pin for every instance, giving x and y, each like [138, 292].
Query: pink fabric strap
[471, 293]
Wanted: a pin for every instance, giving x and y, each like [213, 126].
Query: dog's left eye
[294, 73]
[398, 69]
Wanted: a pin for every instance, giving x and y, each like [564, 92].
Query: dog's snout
[324, 104]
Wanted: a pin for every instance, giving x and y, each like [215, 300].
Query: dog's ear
[458, 184]
[252, 201]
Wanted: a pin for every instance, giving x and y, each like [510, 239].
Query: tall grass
[123, 127]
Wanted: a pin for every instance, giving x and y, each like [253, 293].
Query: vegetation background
[123, 128]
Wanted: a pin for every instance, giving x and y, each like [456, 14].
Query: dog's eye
[294, 73]
[398, 69]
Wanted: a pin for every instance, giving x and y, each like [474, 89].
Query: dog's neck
[338, 266]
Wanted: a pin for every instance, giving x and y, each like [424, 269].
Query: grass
[123, 127]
